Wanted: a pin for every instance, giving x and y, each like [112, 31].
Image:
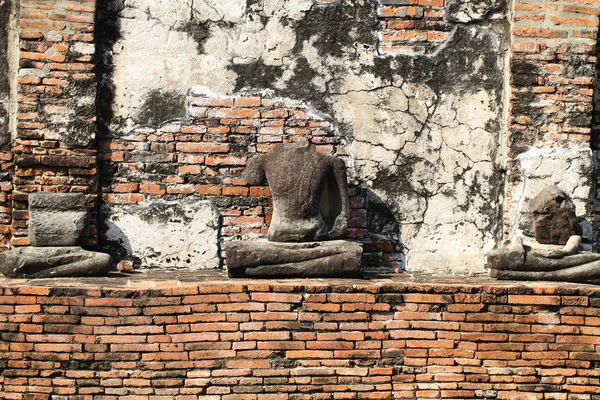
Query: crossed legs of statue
[53, 262]
[514, 261]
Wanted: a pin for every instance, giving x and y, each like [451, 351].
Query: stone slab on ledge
[266, 259]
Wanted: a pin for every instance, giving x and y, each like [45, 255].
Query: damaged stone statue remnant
[310, 204]
[57, 227]
[553, 213]
[545, 258]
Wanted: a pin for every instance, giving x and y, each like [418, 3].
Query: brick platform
[202, 336]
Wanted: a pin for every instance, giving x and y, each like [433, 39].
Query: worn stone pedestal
[57, 227]
[535, 262]
[262, 258]
[53, 262]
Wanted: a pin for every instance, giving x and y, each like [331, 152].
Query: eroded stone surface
[262, 258]
[165, 234]
[57, 219]
[569, 169]
[310, 203]
[553, 214]
[310, 197]
[53, 262]
[533, 261]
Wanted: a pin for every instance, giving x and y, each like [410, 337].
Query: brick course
[412, 26]
[343, 339]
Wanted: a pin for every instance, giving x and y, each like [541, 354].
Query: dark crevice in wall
[595, 143]
[5, 15]
[107, 32]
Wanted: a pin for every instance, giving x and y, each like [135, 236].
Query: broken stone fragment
[57, 219]
[53, 262]
[57, 225]
[310, 195]
[554, 218]
[261, 258]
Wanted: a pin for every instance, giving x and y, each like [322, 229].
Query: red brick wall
[552, 77]
[206, 157]
[54, 149]
[415, 26]
[225, 340]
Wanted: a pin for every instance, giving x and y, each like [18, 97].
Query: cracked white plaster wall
[445, 218]
[442, 144]
[157, 28]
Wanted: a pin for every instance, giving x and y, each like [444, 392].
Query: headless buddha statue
[310, 206]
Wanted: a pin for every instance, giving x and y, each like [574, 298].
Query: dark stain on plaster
[81, 128]
[338, 27]
[161, 106]
[108, 32]
[256, 75]
[199, 31]
[5, 13]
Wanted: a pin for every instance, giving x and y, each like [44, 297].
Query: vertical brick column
[552, 77]
[55, 147]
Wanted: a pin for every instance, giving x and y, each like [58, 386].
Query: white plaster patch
[443, 150]
[165, 234]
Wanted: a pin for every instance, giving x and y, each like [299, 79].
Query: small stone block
[57, 219]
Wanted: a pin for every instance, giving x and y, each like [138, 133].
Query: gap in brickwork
[595, 142]
[205, 156]
[8, 50]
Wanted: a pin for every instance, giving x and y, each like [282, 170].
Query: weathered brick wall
[224, 340]
[552, 77]
[205, 157]
[54, 148]
[416, 26]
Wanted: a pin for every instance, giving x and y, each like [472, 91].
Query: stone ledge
[216, 281]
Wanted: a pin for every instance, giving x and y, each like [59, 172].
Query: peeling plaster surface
[569, 169]
[166, 234]
[424, 131]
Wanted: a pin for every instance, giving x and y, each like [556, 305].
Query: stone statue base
[53, 262]
[536, 262]
[262, 258]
